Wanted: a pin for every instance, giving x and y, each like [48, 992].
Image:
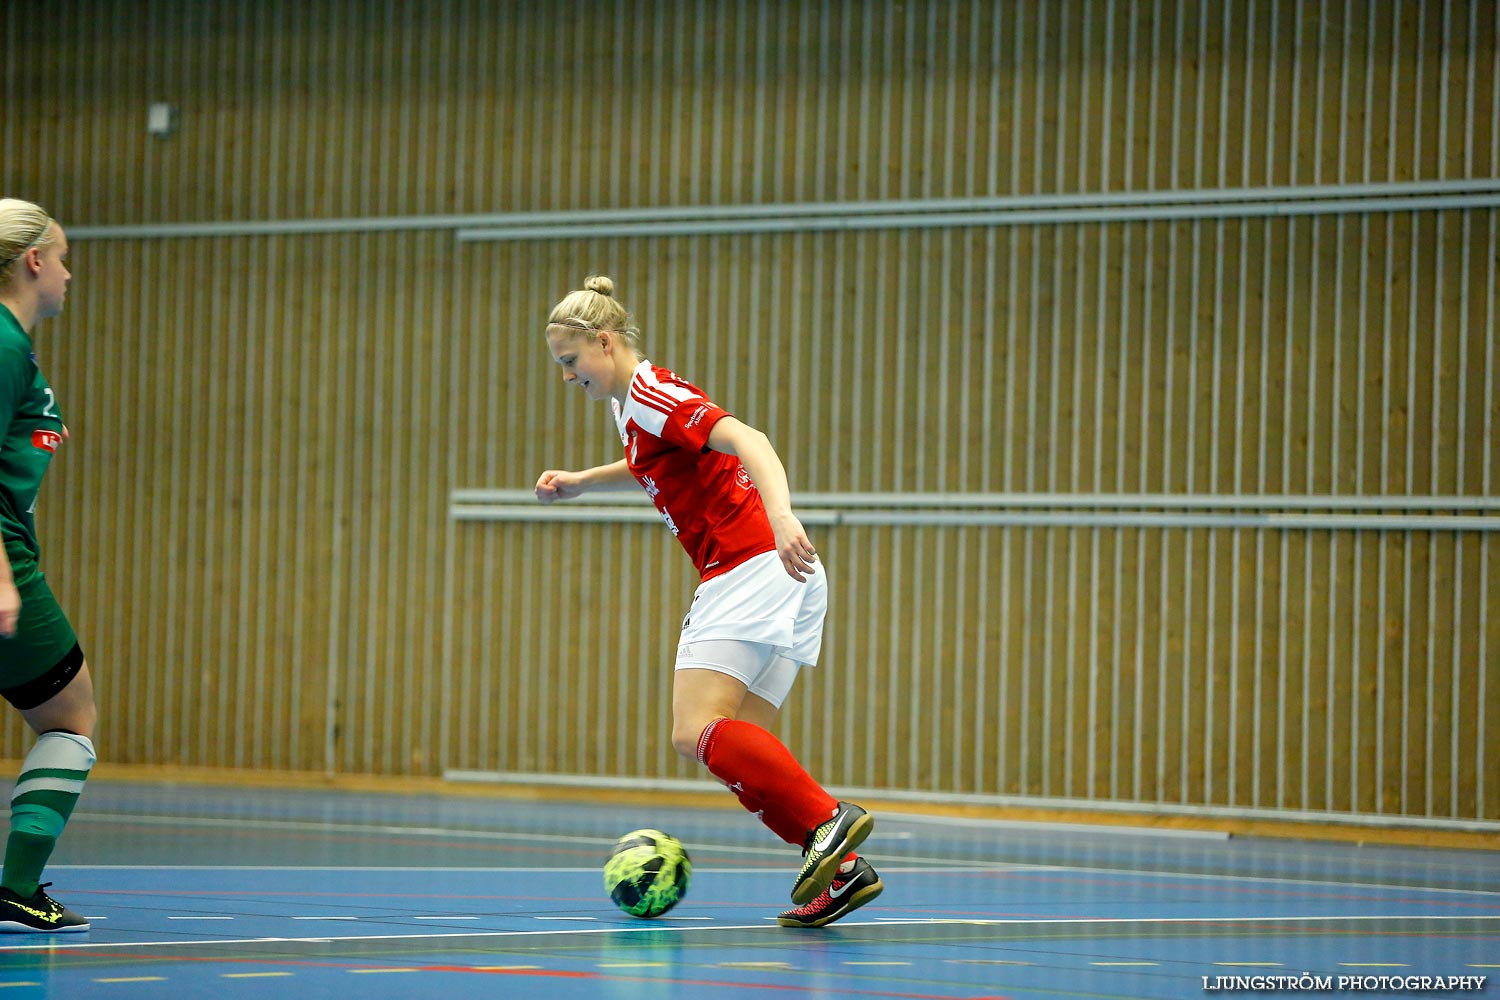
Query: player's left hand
[796, 552]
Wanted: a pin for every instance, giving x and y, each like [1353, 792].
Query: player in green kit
[42, 670]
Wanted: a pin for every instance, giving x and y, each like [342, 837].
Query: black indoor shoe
[36, 914]
[849, 891]
[827, 847]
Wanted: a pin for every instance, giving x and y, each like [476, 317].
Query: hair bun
[599, 283]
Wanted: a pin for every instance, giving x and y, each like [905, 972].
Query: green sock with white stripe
[49, 785]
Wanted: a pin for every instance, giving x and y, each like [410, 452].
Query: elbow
[756, 440]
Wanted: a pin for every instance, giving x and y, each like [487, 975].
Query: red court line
[1219, 886]
[844, 989]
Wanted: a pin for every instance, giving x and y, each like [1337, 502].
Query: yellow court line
[753, 965]
[631, 965]
[1251, 965]
[1474, 966]
[8, 985]
[254, 975]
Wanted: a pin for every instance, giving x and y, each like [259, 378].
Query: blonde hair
[593, 308]
[22, 226]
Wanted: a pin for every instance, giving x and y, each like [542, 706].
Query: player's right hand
[10, 609]
[554, 484]
[798, 557]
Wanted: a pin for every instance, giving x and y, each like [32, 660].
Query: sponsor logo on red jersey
[45, 440]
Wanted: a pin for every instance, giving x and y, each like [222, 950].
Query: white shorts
[757, 624]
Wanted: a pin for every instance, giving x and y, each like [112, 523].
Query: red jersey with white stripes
[705, 496]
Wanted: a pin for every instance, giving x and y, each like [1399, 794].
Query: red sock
[766, 777]
[774, 819]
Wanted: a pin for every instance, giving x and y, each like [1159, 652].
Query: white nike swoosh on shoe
[837, 891]
[833, 827]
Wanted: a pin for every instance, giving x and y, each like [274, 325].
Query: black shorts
[39, 690]
[43, 655]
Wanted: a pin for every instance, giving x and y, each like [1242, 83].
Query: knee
[685, 735]
[79, 712]
[688, 737]
[87, 719]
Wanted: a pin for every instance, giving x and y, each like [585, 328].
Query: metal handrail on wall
[921, 213]
[963, 509]
[1162, 510]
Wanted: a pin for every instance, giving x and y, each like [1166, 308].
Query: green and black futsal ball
[647, 873]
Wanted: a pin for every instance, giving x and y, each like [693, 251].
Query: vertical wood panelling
[249, 525]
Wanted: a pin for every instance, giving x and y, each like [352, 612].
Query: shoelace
[46, 900]
[40, 891]
[815, 905]
[826, 896]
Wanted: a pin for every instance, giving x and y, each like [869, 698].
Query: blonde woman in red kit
[756, 618]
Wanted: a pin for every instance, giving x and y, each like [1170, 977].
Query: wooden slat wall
[249, 526]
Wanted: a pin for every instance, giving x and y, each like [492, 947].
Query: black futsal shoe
[849, 891]
[826, 848]
[37, 914]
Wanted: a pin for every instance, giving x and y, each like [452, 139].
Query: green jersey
[33, 430]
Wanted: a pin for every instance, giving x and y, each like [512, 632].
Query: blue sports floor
[244, 893]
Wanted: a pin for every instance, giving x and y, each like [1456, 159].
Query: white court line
[301, 826]
[482, 835]
[344, 868]
[1080, 827]
[297, 826]
[976, 868]
[888, 867]
[65, 947]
